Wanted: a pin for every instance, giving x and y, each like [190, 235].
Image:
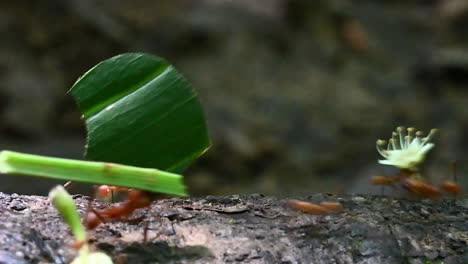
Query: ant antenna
[451, 186]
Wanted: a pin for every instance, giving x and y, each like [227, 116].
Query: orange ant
[389, 180]
[411, 183]
[315, 209]
[417, 186]
[136, 199]
[421, 188]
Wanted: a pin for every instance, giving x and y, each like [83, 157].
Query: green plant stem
[64, 203]
[152, 180]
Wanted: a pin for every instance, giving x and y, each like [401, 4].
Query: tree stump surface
[246, 229]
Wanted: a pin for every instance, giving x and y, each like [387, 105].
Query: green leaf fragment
[140, 111]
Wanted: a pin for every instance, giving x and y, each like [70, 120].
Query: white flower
[404, 150]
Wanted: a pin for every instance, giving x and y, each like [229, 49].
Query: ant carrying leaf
[407, 151]
[136, 199]
[119, 212]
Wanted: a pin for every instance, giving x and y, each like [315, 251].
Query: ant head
[307, 207]
[103, 191]
[450, 187]
[332, 206]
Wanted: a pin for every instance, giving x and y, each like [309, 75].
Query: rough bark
[247, 229]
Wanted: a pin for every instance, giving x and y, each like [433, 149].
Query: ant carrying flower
[407, 151]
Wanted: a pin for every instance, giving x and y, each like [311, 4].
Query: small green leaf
[140, 111]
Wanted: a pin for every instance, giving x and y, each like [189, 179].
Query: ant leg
[145, 232]
[136, 221]
[454, 173]
[145, 237]
[453, 166]
[98, 215]
[92, 217]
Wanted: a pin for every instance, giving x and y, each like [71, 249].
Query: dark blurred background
[296, 92]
